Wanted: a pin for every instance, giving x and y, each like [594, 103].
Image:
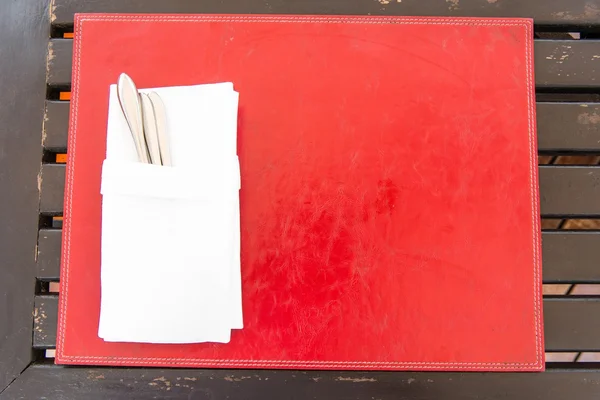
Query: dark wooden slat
[545, 12]
[568, 126]
[569, 191]
[48, 261]
[567, 256]
[54, 382]
[24, 27]
[60, 53]
[45, 319]
[561, 126]
[570, 324]
[56, 125]
[567, 63]
[571, 257]
[565, 191]
[52, 188]
[558, 63]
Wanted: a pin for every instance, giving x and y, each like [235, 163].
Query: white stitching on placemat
[293, 363]
[533, 187]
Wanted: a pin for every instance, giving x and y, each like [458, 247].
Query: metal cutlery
[146, 117]
[132, 110]
[160, 117]
[150, 129]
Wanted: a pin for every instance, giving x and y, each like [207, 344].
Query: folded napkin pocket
[136, 179]
[166, 252]
[170, 263]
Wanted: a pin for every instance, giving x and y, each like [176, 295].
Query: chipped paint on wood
[40, 181]
[49, 57]
[39, 315]
[588, 118]
[453, 4]
[51, 54]
[52, 10]
[355, 380]
[44, 133]
[565, 53]
[161, 383]
[590, 11]
[163, 380]
[231, 378]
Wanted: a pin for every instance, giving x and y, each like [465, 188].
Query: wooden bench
[35, 76]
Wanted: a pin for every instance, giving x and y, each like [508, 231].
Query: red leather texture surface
[389, 202]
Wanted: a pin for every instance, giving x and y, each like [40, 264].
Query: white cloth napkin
[170, 267]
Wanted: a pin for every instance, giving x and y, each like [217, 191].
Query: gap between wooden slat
[54, 287]
[57, 222]
[555, 356]
[563, 289]
[577, 160]
[569, 357]
[567, 289]
[581, 159]
[572, 224]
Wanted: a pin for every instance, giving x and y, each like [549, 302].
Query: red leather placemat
[389, 203]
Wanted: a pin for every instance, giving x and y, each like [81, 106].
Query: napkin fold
[170, 264]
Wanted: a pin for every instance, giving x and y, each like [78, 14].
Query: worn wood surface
[570, 324]
[569, 191]
[127, 383]
[52, 183]
[571, 257]
[48, 257]
[564, 64]
[566, 127]
[59, 62]
[567, 256]
[565, 191]
[56, 125]
[45, 320]
[558, 63]
[552, 13]
[23, 33]
[562, 127]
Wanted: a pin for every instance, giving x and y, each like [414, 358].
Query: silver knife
[160, 116]
[150, 129]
